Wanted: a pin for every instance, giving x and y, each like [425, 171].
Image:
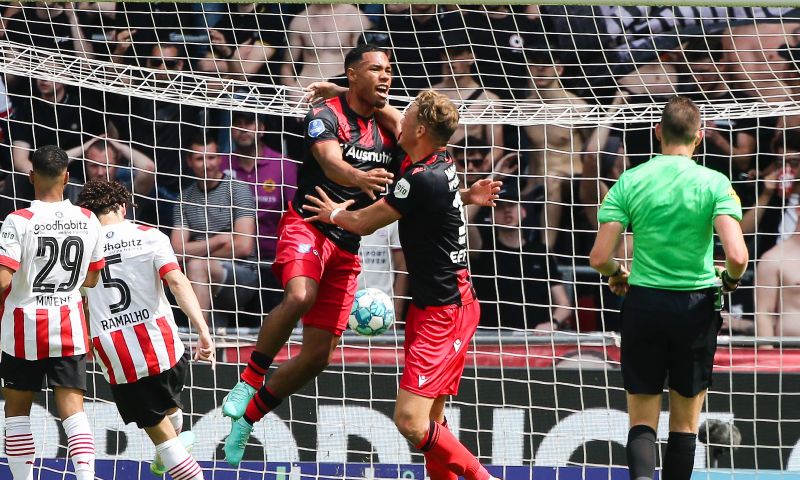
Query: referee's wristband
[618, 271]
[729, 282]
[335, 212]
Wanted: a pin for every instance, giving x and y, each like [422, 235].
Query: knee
[412, 426]
[299, 300]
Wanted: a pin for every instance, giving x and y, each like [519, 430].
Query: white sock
[176, 419]
[80, 445]
[20, 449]
[180, 465]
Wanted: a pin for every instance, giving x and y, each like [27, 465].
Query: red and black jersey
[365, 145]
[433, 232]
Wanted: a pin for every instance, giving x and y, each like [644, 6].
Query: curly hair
[438, 114]
[102, 196]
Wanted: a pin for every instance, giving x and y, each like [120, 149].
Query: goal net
[198, 109]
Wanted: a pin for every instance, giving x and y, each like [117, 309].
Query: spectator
[319, 38]
[109, 159]
[49, 25]
[250, 37]
[160, 128]
[383, 265]
[777, 299]
[158, 23]
[556, 156]
[215, 232]
[99, 27]
[517, 281]
[416, 45]
[458, 83]
[52, 116]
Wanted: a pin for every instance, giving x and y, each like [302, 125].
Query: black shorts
[148, 400]
[29, 375]
[671, 335]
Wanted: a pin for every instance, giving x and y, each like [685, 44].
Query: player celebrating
[669, 319]
[133, 330]
[49, 250]
[444, 312]
[317, 264]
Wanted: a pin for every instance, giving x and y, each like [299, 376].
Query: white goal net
[557, 101]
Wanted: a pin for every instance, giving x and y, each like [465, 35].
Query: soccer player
[47, 252]
[444, 313]
[317, 264]
[134, 333]
[670, 317]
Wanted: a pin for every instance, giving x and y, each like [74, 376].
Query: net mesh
[555, 100]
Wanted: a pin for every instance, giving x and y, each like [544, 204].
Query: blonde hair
[438, 114]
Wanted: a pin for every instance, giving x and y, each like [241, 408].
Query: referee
[669, 317]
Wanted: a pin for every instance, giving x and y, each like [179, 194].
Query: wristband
[334, 213]
[729, 282]
[618, 271]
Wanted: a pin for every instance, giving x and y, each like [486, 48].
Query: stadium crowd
[217, 181]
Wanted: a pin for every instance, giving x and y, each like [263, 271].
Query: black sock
[641, 452]
[261, 404]
[679, 459]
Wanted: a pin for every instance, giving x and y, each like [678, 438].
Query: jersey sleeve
[413, 191]
[164, 259]
[614, 206]
[726, 201]
[97, 261]
[320, 125]
[10, 246]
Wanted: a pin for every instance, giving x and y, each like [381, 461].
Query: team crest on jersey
[109, 234]
[315, 128]
[402, 188]
[59, 215]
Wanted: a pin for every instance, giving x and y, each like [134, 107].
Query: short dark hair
[102, 197]
[203, 138]
[240, 116]
[356, 55]
[702, 49]
[49, 161]
[680, 121]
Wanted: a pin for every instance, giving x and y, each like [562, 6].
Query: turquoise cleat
[187, 439]
[237, 441]
[235, 403]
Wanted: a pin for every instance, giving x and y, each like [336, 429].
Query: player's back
[51, 247]
[132, 327]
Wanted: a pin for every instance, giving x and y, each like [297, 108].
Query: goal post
[555, 100]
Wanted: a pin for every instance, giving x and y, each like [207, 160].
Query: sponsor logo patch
[304, 248]
[315, 128]
[402, 188]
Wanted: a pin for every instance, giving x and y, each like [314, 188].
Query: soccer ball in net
[372, 313]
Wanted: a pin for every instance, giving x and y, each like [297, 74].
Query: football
[372, 312]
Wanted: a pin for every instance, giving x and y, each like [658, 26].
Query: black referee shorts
[669, 334]
[147, 400]
[29, 375]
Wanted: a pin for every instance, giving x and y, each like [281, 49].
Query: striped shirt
[214, 211]
[133, 330]
[50, 247]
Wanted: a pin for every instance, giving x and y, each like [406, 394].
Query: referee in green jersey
[669, 315]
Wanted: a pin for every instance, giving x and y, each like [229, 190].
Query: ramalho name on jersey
[365, 146]
[50, 247]
[433, 232]
[133, 330]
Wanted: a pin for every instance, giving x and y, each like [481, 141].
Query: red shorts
[437, 339]
[304, 251]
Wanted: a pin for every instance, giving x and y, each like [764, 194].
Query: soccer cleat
[187, 439]
[236, 441]
[235, 403]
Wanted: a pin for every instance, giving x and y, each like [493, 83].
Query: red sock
[440, 443]
[261, 404]
[256, 369]
[436, 469]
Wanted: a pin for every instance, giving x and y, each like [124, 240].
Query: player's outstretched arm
[482, 193]
[182, 290]
[361, 222]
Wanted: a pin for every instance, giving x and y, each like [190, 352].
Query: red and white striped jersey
[133, 331]
[50, 246]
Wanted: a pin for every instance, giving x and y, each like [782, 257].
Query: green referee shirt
[670, 203]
